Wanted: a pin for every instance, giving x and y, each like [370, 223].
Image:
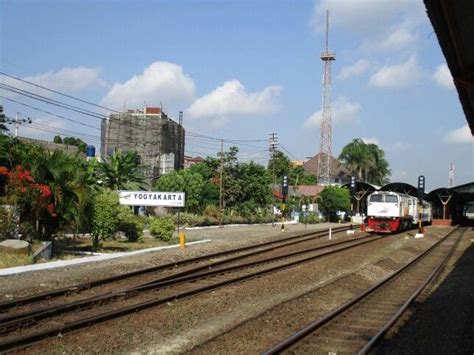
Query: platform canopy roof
[400, 187]
[453, 22]
[466, 191]
[443, 194]
[363, 186]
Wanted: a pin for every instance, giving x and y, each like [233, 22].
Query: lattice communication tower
[451, 176]
[325, 142]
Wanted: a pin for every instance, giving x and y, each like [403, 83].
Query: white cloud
[443, 77]
[356, 69]
[343, 111]
[363, 16]
[230, 100]
[399, 38]
[160, 82]
[39, 128]
[460, 135]
[65, 79]
[371, 140]
[398, 75]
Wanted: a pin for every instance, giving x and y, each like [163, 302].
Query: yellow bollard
[182, 240]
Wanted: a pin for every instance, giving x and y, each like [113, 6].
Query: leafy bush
[130, 225]
[209, 221]
[212, 211]
[187, 219]
[105, 211]
[7, 225]
[162, 228]
[311, 218]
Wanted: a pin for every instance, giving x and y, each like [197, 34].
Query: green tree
[279, 165]
[81, 145]
[64, 173]
[122, 172]
[3, 127]
[333, 199]
[57, 140]
[210, 190]
[297, 176]
[379, 168]
[366, 161]
[185, 181]
[105, 212]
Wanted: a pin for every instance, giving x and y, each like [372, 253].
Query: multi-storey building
[157, 139]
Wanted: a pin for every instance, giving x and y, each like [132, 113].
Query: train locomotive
[389, 212]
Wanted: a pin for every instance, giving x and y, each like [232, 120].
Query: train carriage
[391, 211]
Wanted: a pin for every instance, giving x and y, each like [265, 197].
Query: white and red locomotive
[391, 212]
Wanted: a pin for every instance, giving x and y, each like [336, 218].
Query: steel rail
[88, 285]
[28, 339]
[377, 337]
[13, 321]
[311, 327]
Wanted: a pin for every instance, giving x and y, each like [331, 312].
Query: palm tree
[122, 172]
[379, 172]
[366, 161]
[354, 157]
[65, 175]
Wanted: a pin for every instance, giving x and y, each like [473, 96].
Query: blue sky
[242, 69]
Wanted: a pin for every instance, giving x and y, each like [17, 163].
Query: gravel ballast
[247, 317]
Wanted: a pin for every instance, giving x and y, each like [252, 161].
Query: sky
[240, 70]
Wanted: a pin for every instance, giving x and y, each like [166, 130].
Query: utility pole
[17, 117]
[17, 121]
[221, 195]
[273, 145]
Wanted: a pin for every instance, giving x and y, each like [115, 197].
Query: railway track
[357, 325]
[139, 275]
[19, 329]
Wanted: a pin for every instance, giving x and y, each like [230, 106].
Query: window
[391, 198]
[376, 198]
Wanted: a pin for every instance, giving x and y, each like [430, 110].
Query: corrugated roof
[453, 22]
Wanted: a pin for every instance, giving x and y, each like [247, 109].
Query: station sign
[152, 198]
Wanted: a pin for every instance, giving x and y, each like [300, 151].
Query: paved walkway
[85, 259]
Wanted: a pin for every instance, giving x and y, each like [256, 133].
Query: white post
[16, 124]
[330, 233]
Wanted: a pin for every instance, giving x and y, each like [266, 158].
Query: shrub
[311, 218]
[187, 219]
[7, 223]
[212, 211]
[162, 228]
[209, 221]
[105, 220]
[130, 225]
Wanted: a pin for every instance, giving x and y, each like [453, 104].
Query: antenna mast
[451, 176]
[325, 142]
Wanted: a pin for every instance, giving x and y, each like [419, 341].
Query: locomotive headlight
[393, 218]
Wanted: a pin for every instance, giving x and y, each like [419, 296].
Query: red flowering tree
[33, 201]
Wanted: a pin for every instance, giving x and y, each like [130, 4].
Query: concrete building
[51, 146]
[157, 139]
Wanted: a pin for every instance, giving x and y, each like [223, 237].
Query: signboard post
[156, 198]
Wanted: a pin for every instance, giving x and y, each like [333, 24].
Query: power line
[49, 113]
[294, 157]
[58, 92]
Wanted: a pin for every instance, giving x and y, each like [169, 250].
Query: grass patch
[63, 245]
[14, 259]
